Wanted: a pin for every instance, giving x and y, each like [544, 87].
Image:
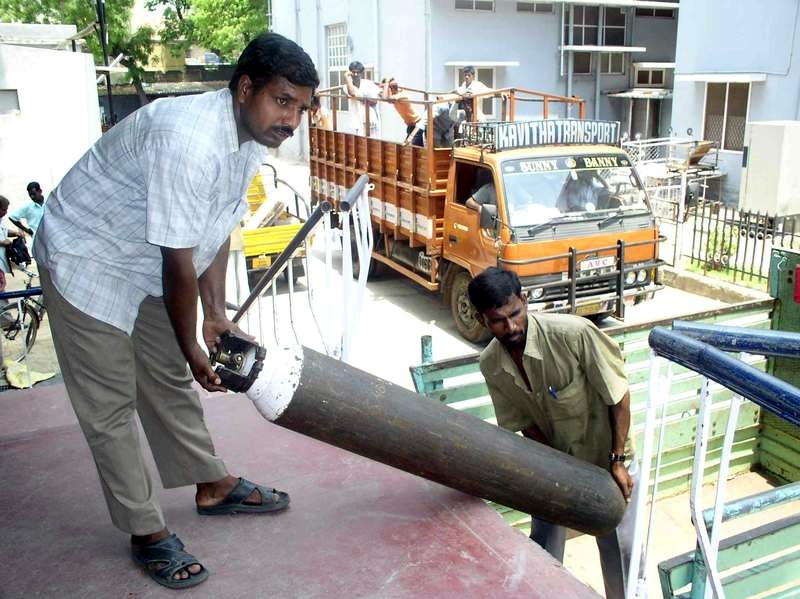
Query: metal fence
[738, 243]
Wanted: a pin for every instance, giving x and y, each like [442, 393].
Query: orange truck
[569, 214]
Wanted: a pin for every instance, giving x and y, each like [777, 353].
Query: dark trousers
[417, 139]
[615, 547]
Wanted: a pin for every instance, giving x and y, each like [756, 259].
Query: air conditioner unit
[770, 180]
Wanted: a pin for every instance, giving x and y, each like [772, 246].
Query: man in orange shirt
[391, 91]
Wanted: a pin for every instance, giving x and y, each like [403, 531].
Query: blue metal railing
[767, 391]
[699, 347]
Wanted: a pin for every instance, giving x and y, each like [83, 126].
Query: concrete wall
[715, 36]
[57, 121]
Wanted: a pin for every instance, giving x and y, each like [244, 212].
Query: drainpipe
[571, 38]
[601, 16]
[301, 139]
[320, 50]
[377, 29]
[428, 73]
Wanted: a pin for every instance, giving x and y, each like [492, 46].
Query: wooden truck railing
[410, 182]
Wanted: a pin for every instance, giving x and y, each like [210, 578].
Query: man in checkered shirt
[136, 231]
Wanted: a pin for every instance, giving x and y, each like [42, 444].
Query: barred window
[338, 58]
[612, 63]
[726, 114]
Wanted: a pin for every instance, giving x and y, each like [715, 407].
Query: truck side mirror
[488, 216]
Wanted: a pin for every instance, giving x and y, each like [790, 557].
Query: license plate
[262, 261]
[587, 309]
[594, 263]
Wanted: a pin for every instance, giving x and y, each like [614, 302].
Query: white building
[616, 54]
[49, 114]
[736, 62]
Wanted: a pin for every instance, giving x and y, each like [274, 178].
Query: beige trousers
[111, 376]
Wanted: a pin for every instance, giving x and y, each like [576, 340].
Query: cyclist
[5, 240]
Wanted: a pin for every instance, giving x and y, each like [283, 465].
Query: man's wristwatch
[617, 457]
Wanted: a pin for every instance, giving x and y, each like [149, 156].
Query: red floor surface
[355, 528]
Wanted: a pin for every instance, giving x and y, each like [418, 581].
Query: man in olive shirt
[559, 380]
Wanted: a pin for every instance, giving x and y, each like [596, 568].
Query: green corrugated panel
[766, 542]
[676, 466]
[784, 462]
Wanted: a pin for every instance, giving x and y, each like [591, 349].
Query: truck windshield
[584, 187]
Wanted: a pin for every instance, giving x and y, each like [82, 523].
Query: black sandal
[234, 501]
[169, 556]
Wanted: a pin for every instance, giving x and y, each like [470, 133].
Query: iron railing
[738, 242]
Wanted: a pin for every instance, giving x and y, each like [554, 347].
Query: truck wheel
[463, 311]
[376, 269]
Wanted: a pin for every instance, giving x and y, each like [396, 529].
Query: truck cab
[561, 213]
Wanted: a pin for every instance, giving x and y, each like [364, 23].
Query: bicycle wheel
[19, 333]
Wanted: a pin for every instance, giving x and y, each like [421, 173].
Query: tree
[135, 46]
[228, 25]
[225, 26]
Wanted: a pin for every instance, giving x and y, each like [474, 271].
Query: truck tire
[376, 269]
[463, 312]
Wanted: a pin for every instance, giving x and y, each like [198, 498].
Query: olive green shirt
[576, 372]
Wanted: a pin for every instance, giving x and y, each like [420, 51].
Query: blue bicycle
[20, 318]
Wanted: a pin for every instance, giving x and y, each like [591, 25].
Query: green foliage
[224, 26]
[135, 45]
[227, 25]
[721, 247]
[177, 30]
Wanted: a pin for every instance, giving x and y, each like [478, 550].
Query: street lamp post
[101, 18]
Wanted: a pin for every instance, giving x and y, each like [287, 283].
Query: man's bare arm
[180, 298]
[620, 417]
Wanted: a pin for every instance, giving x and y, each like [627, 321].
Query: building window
[9, 101]
[581, 63]
[586, 28]
[726, 114]
[612, 63]
[585, 20]
[650, 77]
[537, 7]
[664, 13]
[475, 5]
[486, 76]
[613, 27]
[338, 58]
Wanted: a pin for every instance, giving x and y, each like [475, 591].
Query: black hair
[356, 67]
[469, 69]
[33, 185]
[493, 288]
[4, 202]
[315, 101]
[271, 55]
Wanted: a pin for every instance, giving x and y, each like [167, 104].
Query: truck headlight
[537, 293]
[630, 277]
[641, 276]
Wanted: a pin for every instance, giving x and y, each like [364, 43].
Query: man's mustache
[286, 130]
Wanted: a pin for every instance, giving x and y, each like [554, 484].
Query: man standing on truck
[469, 87]
[358, 87]
[132, 235]
[559, 380]
[412, 119]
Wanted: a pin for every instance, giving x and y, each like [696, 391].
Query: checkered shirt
[172, 175]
